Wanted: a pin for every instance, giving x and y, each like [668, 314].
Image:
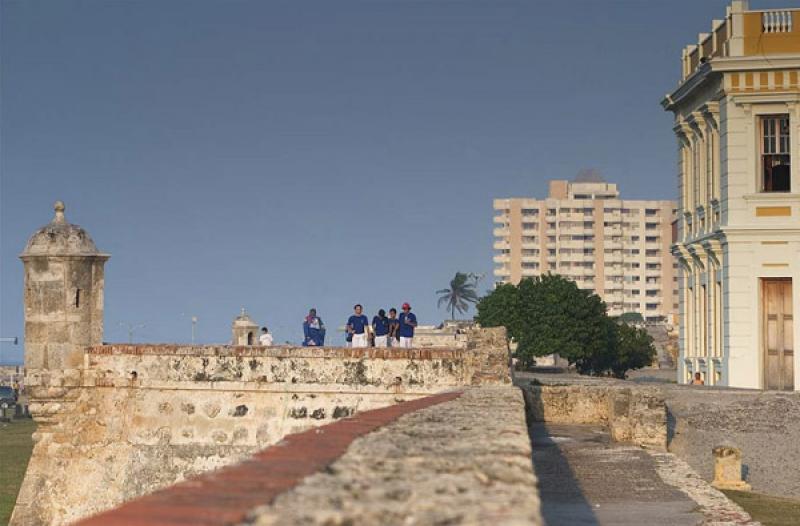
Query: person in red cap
[408, 321]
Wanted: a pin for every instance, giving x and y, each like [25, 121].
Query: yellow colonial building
[737, 119]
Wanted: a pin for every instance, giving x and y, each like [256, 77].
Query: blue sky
[283, 155]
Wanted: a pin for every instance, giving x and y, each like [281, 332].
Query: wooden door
[778, 334]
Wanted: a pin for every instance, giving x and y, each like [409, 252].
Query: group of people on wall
[385, 330]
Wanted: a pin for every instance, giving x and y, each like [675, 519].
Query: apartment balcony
[501, 245]
[531, 258]
[530, 245]
[501, 219]
[501, 232]
[501, 258]
[502, 272]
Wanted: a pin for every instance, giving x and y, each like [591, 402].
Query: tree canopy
[550, 314]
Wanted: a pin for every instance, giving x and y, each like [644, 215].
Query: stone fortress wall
[136, 418]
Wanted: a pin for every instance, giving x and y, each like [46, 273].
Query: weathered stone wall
[136, 418]
[632, 414]
[764, 425]
[467, 461]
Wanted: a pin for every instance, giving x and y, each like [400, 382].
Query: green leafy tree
[631, 317]
[460, 294]
[634, 350]
[548, 314]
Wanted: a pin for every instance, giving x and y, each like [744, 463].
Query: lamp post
[131, 328]
[194, 324]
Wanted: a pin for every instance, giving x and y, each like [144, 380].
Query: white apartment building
[618, 248]
[737, 119]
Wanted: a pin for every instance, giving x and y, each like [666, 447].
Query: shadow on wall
[562, 499]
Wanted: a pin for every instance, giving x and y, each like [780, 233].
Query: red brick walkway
[225, 496]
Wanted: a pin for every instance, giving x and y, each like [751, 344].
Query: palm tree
[460, 294]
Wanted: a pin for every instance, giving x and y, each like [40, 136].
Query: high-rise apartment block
[737, 121]
[584, 231]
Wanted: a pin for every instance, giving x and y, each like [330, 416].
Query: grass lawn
[15, 450]
[770, 511]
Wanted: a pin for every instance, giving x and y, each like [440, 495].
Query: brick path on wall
[227, 495]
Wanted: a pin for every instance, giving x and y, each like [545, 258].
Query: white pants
[381, 341]
[406, 342]
[360, 340]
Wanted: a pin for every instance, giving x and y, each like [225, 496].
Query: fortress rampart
[136, 418]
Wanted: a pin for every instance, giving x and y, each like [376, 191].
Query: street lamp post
[131, 328]
[194, 324]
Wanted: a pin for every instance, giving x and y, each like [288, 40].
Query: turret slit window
[77, 298]
[775, 157]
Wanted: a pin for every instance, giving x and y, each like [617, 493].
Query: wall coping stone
[276, 351]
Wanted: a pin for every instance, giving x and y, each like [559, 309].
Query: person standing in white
[357, 326]
[380, 327]
[408, 322]
[266, 338]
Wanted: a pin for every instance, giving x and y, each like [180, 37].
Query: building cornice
[754, 63]
[699, 77]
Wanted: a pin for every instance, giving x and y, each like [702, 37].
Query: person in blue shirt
[408, 322]
[380, 326]
[313, 330]
[357, 326]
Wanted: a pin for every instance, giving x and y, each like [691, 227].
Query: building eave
[699, 77]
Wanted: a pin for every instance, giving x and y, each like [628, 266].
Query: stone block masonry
[637, 415]
[136, 418]
[467, 461]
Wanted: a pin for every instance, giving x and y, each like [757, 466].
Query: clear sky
[283, 155]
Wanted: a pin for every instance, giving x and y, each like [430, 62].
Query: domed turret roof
[60, 238]
[244, 320]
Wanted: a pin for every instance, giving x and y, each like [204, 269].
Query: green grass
[770, 511]
[15, 450]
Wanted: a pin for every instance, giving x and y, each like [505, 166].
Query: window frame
[779, 145]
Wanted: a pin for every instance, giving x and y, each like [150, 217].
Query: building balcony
[502, 219]
[502, 271]
[501, 258]
[501, 232]
[501, 245]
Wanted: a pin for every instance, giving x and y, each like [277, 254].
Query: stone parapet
[466, 461]
[633, 414]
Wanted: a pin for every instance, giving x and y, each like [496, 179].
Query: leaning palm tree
[460, 294]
